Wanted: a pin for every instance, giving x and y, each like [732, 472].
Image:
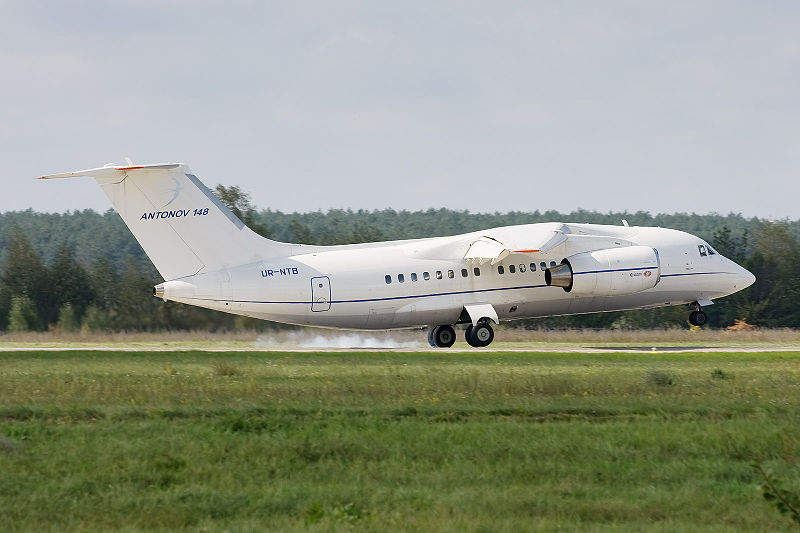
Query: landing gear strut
[479, 335]
[697, 317]
[441, 336]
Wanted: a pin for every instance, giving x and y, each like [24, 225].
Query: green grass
[349, 441]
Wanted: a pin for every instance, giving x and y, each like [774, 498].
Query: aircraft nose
[744, 278]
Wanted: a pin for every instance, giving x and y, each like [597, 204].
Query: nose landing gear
[697, 317]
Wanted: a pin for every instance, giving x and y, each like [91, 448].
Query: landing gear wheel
[442, 336]
[480, 335]
[697, 318]
[468, 336]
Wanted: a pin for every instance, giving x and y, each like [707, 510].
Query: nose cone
[744, 278]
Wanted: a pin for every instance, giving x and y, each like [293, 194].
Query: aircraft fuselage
[412, 283]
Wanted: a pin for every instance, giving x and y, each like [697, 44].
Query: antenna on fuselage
[625, 223]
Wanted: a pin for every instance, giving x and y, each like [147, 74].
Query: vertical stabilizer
[181, 225]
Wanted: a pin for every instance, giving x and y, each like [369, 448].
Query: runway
[401, 349]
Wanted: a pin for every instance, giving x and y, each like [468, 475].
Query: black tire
[480, 335]
[697, 318]
[443, 336]
[469, 338]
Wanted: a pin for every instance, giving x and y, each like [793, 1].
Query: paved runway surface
[501, 349]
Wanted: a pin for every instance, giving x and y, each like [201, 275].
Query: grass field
[392, 441]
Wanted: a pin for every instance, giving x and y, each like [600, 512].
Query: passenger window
[388, 279]
[500, 269]
[476, 271]
[543, 265]
[552, 264]
[702, 250]
[401, 278]
[522, 268]
[438, 274]
[426, 276]
[451, 274]
[511, 269]
[533, 267]
[464, 273]
[413, 276]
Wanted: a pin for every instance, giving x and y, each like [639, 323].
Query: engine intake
[608, 272]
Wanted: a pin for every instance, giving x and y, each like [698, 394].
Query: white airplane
[209, 258]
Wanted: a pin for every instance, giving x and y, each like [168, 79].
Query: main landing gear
[697, 317]
[478, 336]
[441, 336]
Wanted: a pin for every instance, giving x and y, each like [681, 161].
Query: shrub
[661, 378]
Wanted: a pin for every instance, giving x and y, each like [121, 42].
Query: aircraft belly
[547, 302]
[380, 317]
[428, 311]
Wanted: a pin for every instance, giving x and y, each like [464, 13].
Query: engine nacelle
[609, 272]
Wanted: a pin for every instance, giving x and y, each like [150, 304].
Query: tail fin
[181, 225]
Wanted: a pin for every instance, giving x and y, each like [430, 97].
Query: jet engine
[608, 272]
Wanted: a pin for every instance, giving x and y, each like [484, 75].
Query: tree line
[84, 270]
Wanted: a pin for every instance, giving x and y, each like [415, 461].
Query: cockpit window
[702, 250]
[710, 250]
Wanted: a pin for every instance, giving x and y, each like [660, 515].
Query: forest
[83, 270]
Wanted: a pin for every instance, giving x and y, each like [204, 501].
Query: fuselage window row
[427, 276]
[512, 269]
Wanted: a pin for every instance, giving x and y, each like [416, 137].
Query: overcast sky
[487, 106]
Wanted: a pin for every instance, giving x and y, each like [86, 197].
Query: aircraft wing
[486, 249]
[493, 249]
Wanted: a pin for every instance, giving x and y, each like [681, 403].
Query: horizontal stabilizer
[110, 171]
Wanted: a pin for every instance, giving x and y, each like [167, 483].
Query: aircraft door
[320, 294]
